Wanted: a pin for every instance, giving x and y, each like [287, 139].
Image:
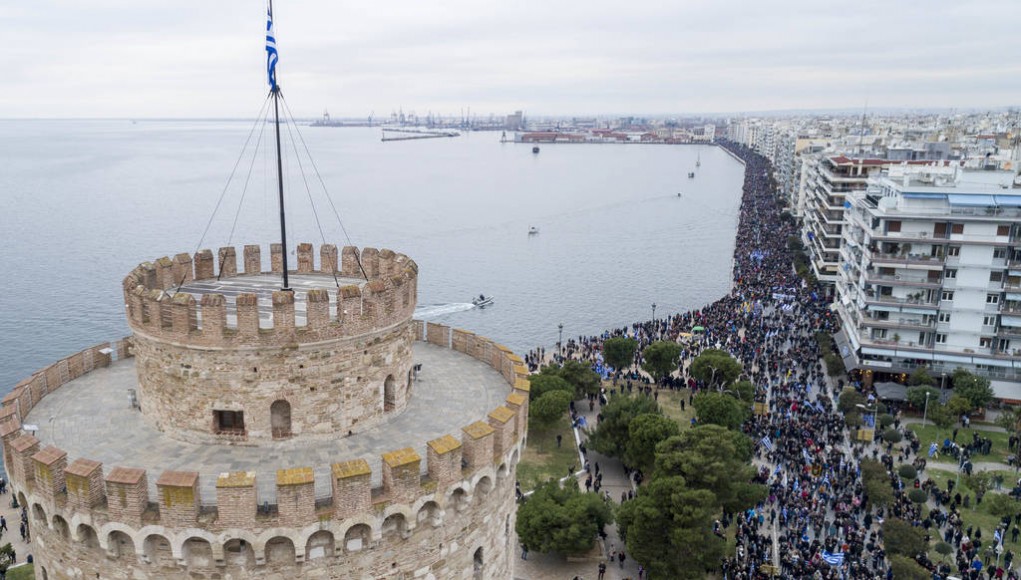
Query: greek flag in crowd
[808, 457]
[998, 536]
[778, 470]
[767, 443]
[271, 50]
[933, 449]
[826, 479]
[870, 421]
[833, 559]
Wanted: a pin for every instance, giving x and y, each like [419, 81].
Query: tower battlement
[161, 302]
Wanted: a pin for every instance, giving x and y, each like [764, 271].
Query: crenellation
[183, 314]
[349, 260]
[179, 498]
[296, 496]
[22, 449]
[386, 263]
[317, 313]
[182, 269]
[443, 461]
[127, 495]
[214, 317]
[306, 258]
[370, 262]
[49, 464]
[84, 478]
[502, 421]
[351, 482]
[164, 273]
[283, 314]
[438, 334]
[253, 259]
[477, 446]
[205, 267]
[247, 314]
[236, 499]
[228, 262]
[401, 480]
[276, 258]
[328, 259]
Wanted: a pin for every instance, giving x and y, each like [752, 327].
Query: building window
[999, 253]
[953, 250]
[957, 228]
[996, 276]
[950, 273]
[893, 226]
[941, 338]
[947, 295]
[229, 422]
[944, 317]
[985, 342]
[992, 298]
[988, 321]
[1003, 230]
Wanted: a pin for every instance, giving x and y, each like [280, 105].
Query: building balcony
[904, 260]
[1008, 332]
[909, 323]
[898, 280]
[1007, 308]
[904, 301]
[908, 236]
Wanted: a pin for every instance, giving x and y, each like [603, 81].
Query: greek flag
[808, 458]
[767, 443]
[271, 50]
[998, 536]
[833, 559]
[932, 449]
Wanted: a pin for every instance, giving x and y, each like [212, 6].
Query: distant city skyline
[115, 58]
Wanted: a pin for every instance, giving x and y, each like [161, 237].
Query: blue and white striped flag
[767, 443]
[271, 50]
[933, 449]
[833, 559]
[998, 536]
[808, 458]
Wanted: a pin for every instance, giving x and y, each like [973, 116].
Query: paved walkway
[89, 417]
[555, 566]
[12, 535]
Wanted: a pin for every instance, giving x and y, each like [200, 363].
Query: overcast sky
[190, 58]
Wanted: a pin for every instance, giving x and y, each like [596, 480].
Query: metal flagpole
[271, 64]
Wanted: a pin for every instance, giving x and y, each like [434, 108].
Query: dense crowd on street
[816, 522]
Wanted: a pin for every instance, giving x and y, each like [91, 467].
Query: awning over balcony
[1010, 320]
[845, 349]
[972, 200]
[1008, 200]
[1006, 390]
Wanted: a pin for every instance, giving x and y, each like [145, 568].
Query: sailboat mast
[271, 61]
[280, 182]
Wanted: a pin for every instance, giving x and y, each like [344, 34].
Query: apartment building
[930, 273]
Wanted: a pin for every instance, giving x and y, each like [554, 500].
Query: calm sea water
[85, 201]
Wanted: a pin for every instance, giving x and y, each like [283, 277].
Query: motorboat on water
[533, 230]
[535, 149]
[481, 301]
[691, 175]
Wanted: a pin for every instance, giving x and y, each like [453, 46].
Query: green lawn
[541, 459]
[975, 515]
[930, 433]
[670, 402]
[26, 572]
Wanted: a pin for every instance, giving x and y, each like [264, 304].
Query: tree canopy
[619, 352]
[545, 382]
[659, 359]
[849, 399]
[876, 483]
[716, 368]
[581, 377]
[549, 407]
[715, 459]
[611, 434]
[972, 387]
[901, 538]
[916, 396]
[745, 391]
[720, 409]
[921, 376]
[907, 568]
[562, 519]
[644, 433]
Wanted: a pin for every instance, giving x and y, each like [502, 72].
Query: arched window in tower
[280, 419]
[389, 394]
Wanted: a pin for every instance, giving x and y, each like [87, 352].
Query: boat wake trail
[433, 310]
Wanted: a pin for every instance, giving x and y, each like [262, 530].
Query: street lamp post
[654, 325]
[560, 341]
[942, 384]
[925, 412]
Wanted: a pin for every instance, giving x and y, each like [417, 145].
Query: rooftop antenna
[271, 69]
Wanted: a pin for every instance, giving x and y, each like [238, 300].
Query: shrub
[907, 471]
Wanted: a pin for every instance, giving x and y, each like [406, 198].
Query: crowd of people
[816, 522]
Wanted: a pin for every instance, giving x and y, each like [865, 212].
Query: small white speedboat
[481, 301]
[533, 230]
